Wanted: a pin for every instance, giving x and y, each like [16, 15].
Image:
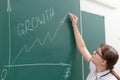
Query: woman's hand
[74, 19]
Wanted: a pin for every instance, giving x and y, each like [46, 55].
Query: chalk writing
[67, 72]
[3, 74]
[35, 22]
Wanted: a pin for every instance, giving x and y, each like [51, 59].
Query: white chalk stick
[69, 13]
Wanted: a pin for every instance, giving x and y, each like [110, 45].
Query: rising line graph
[38, 41]
[28, 49]
[11, 63]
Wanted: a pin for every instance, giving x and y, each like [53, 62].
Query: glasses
[97, 52]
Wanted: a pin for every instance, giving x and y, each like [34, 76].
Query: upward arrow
[48, 35]
[8, 11]
[8, 6]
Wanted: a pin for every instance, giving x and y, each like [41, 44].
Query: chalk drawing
[38, 41]
[9, 11]
[4, 74]
[34, 22]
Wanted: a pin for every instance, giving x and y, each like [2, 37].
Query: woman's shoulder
[92, 66]
[110, 77]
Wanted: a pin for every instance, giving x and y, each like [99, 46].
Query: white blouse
[93, 75]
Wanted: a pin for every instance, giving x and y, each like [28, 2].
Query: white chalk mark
[26, 49]
[32, 24]
[4, 74]
[9, 11]
[40, 64]
[67, 72]
[8, 6]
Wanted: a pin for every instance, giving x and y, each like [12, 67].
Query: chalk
[69, 13]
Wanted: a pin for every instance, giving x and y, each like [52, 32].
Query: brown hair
[111, 56]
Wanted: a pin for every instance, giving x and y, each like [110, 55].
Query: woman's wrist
[74, 26]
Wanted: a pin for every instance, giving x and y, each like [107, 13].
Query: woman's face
[97, 57]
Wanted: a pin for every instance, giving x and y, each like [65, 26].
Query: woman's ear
[103, 62]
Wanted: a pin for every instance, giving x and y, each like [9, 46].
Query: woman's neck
[100, 68]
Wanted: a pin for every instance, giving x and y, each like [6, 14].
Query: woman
[102, 62]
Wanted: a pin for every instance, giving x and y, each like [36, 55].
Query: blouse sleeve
[92, 66]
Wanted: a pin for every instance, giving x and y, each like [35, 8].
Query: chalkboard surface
[36, 40]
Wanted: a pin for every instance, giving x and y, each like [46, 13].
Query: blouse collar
[102, 74]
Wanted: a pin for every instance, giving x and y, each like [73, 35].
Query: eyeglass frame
[97, 52]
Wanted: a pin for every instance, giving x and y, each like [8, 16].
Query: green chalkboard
[37, 41]
[93, 31]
